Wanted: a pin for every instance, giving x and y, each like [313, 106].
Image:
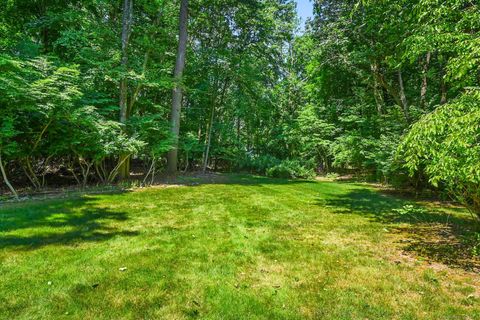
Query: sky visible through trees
[305, 10]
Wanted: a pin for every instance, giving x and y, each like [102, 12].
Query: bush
[472, 241]
[445, 145]
[259, 164]
[291, 169]
[332, 175]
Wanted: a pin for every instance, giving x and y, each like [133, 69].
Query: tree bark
[126, 31]
[210, 127]
[5, 178]
[377, 89]
[423, 91]
[443, 89]
[124, 169]
[403, 97]
[209, 139]
[177, 95]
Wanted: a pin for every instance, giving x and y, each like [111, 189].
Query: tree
[177, 95]
[445, 145]
[127, 20]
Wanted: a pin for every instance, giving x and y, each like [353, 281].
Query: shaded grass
[239, 247]
[438, 232]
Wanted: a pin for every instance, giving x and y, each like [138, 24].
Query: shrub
[332, 175]
[291, 169]
[259, 164]
[445, 144]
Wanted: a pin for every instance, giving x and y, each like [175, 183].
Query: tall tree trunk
[238, 130]
[5, 178]
[443, 89]
[423, 91]
[126, 30]
[210, 127]
[124, 169]
[209, 139]
[377, 89]
[403, 97]
[172, 157]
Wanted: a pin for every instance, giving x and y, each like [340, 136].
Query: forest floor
[238, 247]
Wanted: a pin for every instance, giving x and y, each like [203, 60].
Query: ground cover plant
[238, 247]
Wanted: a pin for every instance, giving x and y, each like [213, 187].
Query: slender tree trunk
[126, 31]
[5, 178]
[443, 89]
[210, 128]
[377, 89]
[124, 169]
[209, 139]
[199, 132]
[187, 162]
[172, 157]
[32, 176]
[403, 97]
[238, 130]
[423, 91]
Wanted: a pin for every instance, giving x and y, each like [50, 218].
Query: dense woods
[92, 91]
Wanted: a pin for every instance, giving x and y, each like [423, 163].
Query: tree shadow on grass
[244, 179]
[28, 227]
[445, 235]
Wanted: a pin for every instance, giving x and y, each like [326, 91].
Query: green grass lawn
[244, 248]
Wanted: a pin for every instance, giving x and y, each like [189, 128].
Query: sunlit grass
[248, 248]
